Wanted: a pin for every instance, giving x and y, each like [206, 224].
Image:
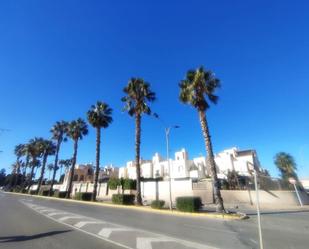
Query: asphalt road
[29, 222]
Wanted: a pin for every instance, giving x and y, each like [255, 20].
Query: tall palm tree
[26, 153]
[137, 100]
[286, 165]
[58, 134]
[19, 152]
[99, 116]
[34, 153]
[197, 90]
[50, 168]
[47, 148]
[66, 163]
[77, 129]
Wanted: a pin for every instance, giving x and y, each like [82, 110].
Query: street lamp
[252, 169]
[167, 133]
[293, 182]
[167, 130]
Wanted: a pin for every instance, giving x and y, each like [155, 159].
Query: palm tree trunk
[30, 178]
[97, 170]
[17, 173]
[211, 162]
[72, 168]
[42, 173]
[137, 158]
[25, 172]
[55, 167]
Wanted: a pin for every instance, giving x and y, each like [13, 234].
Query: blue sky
[59, 57]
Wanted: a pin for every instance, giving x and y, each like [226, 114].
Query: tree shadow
[21, 238]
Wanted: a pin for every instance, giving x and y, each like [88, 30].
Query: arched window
[81, 178]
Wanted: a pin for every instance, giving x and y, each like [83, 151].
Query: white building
[183, 167]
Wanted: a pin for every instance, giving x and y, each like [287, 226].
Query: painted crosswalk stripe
[106, 232]
[145, 243]
[69, 217]
[83, 223]
[57, 213]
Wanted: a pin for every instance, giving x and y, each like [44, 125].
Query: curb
[238, 216]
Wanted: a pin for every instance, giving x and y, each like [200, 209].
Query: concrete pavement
[282, 230]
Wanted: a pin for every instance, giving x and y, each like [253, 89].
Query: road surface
[29, 222]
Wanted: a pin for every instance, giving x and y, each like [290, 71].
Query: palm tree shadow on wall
[21, 238]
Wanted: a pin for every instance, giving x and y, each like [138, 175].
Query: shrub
[59, 194]
[113, 183]
[188, 203]
[157, 204]
[123, 199]
[32, 192]
[129, 184]
[83, 196]
[44, 192]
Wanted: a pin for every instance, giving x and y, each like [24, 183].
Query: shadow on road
[30, 237]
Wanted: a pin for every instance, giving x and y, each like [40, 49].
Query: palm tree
[26, 153]
[58, 134]
[76, 130]
[47, 148]
[33, 149]
[286, 165]
[19, 152]
[99, 116]
[137, 99]
[50, 167]
[198, 89]
[66, 164]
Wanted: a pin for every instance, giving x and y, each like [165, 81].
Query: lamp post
[252, 169]
[167, 134]
[293, 182]
[167, 130]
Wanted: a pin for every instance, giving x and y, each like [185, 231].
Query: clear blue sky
[59, 57]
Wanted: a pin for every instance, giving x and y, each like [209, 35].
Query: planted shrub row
[157, 204]
[44, 192]
[83, 196]
[59, 194]
[123, 199]
[188, 203]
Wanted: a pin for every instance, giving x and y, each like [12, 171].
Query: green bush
[32, 192]
[83, 196]
[188, 203]
[44, 192]
[157, 204]
[129, 184]
[59, 194]
[113, 183]
[123, 199]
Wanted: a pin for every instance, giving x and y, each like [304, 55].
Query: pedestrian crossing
[125, 237]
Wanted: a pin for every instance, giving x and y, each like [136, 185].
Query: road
[29, 222]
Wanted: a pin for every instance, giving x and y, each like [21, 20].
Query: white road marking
[106, 232]
[57, 213]
[83, 223]
[145, 243]
[254, 241]
[69, 217]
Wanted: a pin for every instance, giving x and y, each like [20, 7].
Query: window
[75, 178]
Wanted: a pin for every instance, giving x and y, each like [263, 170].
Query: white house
[182, 167]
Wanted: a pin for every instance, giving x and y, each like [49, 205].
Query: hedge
[113, 183]
[157, 204]
[123, 199]
[129, 184]
[83, 196]
[44, 192]
[188, 203]
[59, 194]
[32, 192]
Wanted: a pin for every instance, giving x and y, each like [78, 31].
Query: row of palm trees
[197, 89]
